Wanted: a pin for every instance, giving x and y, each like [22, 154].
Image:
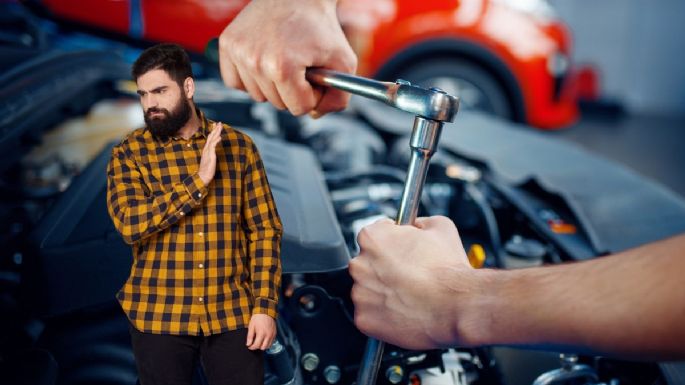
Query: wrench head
[434, 103]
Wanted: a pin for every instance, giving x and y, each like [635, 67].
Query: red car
[507, 57]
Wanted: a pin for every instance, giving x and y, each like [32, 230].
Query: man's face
[164, 103]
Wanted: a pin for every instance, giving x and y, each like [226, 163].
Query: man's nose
[149, 101]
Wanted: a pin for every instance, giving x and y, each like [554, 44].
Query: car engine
[62, 260]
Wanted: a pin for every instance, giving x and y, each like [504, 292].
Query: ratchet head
[433, 104]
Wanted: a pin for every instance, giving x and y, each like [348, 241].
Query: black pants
[170, 360]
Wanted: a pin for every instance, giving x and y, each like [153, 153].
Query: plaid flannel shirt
[204, 257]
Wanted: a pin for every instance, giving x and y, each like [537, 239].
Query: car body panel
[379, 32]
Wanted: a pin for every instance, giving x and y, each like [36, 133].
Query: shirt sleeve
[263, 228]
[136, 211]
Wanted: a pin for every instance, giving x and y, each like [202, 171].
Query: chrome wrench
[431, 107]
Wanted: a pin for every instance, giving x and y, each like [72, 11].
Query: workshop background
[637, 47]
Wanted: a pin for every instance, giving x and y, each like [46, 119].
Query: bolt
[394, 374]
[568, 361]
[308, 302]
[275, 348]
[332, 374]
[310, 361]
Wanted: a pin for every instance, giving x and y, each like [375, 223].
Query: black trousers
[163, 359]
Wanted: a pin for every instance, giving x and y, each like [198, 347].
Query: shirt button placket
[199, 251]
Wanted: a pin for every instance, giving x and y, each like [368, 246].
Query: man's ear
[189, 87]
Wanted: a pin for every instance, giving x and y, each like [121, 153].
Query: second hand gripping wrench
[431, 107]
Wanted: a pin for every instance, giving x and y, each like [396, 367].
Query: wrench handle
[368, 88]
[431, 103]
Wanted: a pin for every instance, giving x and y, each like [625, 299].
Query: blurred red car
[507, 57]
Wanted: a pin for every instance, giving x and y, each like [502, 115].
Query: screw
[394, 374]
[568, 361]
[310, 361]
[275, 348]
[332, 374]
[308, 303]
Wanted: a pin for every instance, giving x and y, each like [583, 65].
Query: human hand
[411, 283]
[261, 332]
[270, 44]
[208, 160]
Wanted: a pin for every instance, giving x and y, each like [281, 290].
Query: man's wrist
[479, 315]
[204, 179]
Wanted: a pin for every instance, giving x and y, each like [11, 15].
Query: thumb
[435, 222]
[343, 60]
[440, 226]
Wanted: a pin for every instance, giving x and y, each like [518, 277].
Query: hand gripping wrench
[432, 108]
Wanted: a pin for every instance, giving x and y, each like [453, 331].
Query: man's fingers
[250, 85]
[258, 340]
[213, 139]
[332, 100]
[342, 60]
[250, 335]
[218, 127]
[229, 73]
[266, 343]
[270, 91]
[365, 238]
[298, 95]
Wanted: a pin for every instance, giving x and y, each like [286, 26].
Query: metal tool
[432, 108]
[571, 372]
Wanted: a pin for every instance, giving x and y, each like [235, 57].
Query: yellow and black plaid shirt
[204, 257]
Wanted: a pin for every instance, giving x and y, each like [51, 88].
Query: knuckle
[354, 294]
[444, 221]
[351, 62]
[225, 41]
[296, 110]
[353, 268]
[361, 321]
[277, 69]
[363, 236]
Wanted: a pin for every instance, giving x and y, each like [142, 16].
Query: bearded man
[192, 198]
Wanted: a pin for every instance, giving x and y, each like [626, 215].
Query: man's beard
[164, 127]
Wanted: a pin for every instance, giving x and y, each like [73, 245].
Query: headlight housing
[540, 9]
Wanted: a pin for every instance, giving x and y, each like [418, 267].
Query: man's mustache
[153, 110]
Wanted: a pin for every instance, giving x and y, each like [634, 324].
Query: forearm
[631, 304]
[137, 217]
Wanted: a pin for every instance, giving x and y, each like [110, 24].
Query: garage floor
[653, 146]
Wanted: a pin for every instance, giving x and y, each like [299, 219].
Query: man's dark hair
[171, 58]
